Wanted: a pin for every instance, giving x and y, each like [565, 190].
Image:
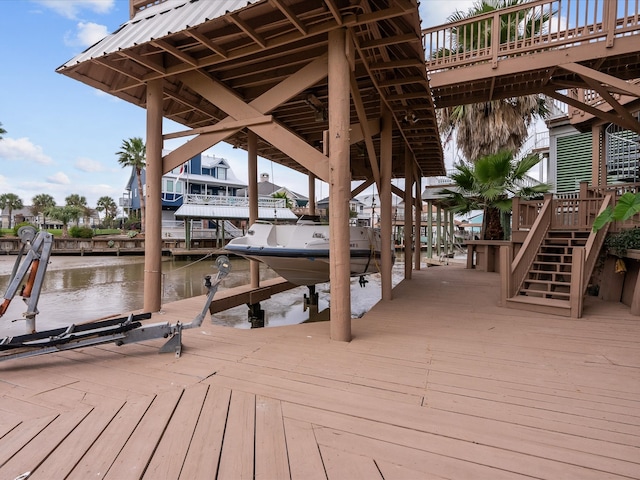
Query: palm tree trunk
[494, 229]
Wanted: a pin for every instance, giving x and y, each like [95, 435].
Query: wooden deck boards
[439, 383]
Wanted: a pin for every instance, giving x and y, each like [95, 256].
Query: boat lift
[121, 331]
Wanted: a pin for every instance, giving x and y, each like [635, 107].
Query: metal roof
[249, 48]
[159, 21]
[191, 210]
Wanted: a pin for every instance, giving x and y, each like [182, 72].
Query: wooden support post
[506, 253]
[438, 230]
[339, 187]
[577, 284]
[452, 234]
[408, 226]
[386, 144]
[153, 200]
[429, 229]
[312, 194]
[252, 153]
[418, 229]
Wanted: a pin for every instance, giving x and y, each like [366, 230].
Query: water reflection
[81, 289]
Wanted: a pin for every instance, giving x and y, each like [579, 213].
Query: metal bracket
[174, 344]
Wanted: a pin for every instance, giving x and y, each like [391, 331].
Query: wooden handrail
[523, 260]
[594, 244]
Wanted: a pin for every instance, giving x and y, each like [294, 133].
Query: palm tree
[80, 201]
[66, 214]
[486, 128]
[110, 208]
[40, 203]
[2, 131]
[133, 154]
[282, 195]
[488, 185]
[11, 202]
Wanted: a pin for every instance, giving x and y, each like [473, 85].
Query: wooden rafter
[144, 61]
[292, 17]
[211, 45]
[335, 11]
[246, 28]
[176, 52]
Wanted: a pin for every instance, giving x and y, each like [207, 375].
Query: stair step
[532, 292]
[542, 263]
[552, 273]
[542, 305]
[547, 282]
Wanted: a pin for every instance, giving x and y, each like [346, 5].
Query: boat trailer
[121, 331]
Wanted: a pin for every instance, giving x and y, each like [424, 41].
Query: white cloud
[88, 165]
[23, 149]
[90, 33]
[87, 34]
[60, 178]
[436, 12]
[71, 8]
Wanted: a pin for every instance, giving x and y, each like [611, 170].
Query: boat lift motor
[121, 331]
[39, 246]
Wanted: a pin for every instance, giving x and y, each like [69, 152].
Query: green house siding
[574, 162]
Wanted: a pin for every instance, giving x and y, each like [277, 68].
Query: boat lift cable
[121, 331]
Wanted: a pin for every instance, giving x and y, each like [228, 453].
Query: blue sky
[62, 135]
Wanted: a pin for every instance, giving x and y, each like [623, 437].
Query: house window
[169, 186]
[206, 171]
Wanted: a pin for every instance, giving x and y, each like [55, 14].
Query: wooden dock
[439, 383]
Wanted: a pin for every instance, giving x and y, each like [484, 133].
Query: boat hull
[300, 253]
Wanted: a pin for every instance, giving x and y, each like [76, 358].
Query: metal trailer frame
[121, 331]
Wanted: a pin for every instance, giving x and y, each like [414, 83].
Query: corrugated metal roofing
[159, 21]
[191, 210]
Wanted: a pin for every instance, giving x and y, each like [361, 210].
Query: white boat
[300, 252]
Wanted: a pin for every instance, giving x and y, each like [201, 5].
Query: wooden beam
[609, 117]
[292, 17]
[307, 76]
[586, 72]
[230, 125]
[335, 11]
[362, 187]
[393, 64]
[386, 41]
[176, 52]
[246, 28]
[208, 43]
[368, 141]
[144, 61]
[626, 117]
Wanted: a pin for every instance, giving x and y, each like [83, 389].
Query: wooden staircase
[547, 285]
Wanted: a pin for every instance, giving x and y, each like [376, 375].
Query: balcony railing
[483, 39]
[230, 201]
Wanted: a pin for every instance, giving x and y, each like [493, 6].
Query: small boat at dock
[300, 252]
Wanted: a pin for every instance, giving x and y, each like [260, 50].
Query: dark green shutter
[574, 162]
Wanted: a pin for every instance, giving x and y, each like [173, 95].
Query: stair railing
[595, 242]
[527, 253]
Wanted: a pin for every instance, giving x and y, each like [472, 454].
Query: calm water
[81, 289]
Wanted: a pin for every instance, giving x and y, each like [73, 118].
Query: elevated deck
[439, 383]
